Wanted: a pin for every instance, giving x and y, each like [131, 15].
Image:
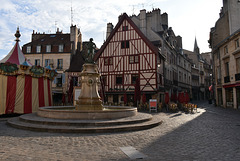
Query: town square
[135, 93]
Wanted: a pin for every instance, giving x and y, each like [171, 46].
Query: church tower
[196, 48]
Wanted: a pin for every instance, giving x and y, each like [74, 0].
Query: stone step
[17, 123]
[35, 119]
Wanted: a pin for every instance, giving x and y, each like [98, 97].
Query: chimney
[143, 22]
[109, 29]
[73, 37]
[165, 19]
[179, 41]
[156, 20]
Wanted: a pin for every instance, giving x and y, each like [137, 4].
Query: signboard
[76, 94]
[153, 105]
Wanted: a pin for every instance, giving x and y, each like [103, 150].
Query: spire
[196, 48]
[17, 34]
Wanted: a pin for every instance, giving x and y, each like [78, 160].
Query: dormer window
[28, 49]
[60, 48]
[48, 48]
[38, 49]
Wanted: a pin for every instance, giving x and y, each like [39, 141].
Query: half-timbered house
[127, 55]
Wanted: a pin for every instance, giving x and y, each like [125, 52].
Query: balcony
[237, 77]
[226, 79]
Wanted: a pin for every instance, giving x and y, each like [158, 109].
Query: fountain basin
[69, 112]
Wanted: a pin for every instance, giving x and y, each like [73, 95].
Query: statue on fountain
[89, 56]
[89, 99]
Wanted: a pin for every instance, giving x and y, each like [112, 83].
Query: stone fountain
[89, 115]
[89, 98]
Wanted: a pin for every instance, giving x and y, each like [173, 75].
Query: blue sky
[188, 18]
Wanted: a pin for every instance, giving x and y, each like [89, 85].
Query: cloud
[186, 18]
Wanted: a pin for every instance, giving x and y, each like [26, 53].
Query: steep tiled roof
[123, 17]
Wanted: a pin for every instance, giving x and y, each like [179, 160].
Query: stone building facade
[54, 50]
[224, 41]
[201, 73]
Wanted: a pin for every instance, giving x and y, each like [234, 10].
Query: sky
[188, 18]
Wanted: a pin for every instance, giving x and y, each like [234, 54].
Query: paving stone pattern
[213, 133]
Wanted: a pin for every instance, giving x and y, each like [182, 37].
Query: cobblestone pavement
[213, 133]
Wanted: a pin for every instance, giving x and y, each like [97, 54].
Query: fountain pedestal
[89, 99]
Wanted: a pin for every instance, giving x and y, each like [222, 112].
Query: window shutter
[63, 78]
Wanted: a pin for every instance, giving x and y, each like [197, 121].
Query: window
[60, 48]
[180, 76]
[60, 64]
[125, 28]
[37, 62]
[108, 61]
[227, 68]
[124, 44]
[48, 48]
[28, 49]
[238, 65]
[236, 43]
[119, 79]
[47, 62]
[225, 49]
[38, 49]
[134, 78]
[219, 72]
[133, 59]
[136, 59]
